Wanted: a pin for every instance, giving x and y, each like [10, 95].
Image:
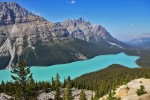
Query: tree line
[109, 78]
[24, 87]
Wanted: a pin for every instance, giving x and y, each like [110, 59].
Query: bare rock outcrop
[4, 96]
[75, 94]
[128, 91]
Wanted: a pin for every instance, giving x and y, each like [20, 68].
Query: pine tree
[68, 92]
[31, 89]
[141, 90]
[69, 79]
[111, 95]
[97, 94]
[64, 83]
[3, 87]
[57, 86]
[92, 97]
[21, 75]
[82, 95]
[63, 96]
[53, 84]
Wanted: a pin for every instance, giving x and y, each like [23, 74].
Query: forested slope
[109, 78]
[64, 52]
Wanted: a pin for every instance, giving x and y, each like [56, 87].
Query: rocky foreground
[128, 91]
[124, 92]
[4, 96]
[50, 95]
[75, 94]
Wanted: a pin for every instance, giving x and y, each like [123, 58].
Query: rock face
[12, 13]
[75, 94]
[84, 30]
[20, 28]
[128, 91]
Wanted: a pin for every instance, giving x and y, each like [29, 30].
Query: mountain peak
[13, 7]
[84, 30]
[11, 12]
[8, 3]
[80, 20]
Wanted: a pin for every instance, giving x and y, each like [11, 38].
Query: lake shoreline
[78, 67]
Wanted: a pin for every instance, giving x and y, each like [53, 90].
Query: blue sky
[124, 19]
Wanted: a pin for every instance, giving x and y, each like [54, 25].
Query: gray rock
[128, 91]
[84, 30]
[4, 96]
[20, 28]
[75, 94]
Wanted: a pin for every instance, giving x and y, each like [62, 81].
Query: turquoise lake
[77, 68]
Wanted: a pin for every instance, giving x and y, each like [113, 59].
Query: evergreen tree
[31, 89]
[69, 79]
[3, 87]
[92, 97]
[53, 84]
[64, 83]
[63, 96]
[111, 95]
[114, 75]
[141, 90]
[21, 75]
[57, 86]
[44, 85]
[68, 92]
[82, 95]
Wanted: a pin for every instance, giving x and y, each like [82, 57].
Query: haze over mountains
[141, 41]
[24, 34]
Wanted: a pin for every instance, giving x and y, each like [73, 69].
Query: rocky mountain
[20, 28]
[141, 41]
[84, 30]
[24, 35]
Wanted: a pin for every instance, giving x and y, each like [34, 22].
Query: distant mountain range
[31, 37]
[141, 41]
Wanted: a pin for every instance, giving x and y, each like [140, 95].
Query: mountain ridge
[11, 13]
[84, 30]
[20, 28]
[22, 32]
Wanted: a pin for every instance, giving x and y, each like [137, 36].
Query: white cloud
[36, 13]
[131, 24]
[72, 1]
